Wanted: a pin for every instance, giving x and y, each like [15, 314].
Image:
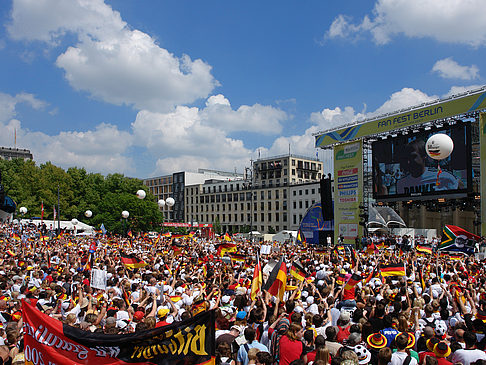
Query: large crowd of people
[434, 314]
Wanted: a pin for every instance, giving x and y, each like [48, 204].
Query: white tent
[80, 227]
[285, 235]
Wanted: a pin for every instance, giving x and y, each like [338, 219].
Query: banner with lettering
[49, 341]
[348, 190]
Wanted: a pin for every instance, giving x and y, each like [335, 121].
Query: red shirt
[289, 350]
[161, 324]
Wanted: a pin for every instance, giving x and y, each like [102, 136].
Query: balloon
[141, 194]
[439, 146]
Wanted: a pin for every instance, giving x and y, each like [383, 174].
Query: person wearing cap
[431, 342]
[343, 327]
[442, 351]
[230, 336]
[402, 356]
[469, 354]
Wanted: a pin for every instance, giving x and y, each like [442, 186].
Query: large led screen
[402, 169]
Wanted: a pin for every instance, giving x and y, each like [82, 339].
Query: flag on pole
[42, 212]
[103, 229]
[298, 271]
[457, 239]
[277, 280]
[300, 238]
[257, 278]
[223, 248]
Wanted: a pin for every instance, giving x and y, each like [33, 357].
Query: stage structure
[383, 159]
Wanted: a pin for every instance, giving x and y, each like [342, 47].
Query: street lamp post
[124, 215]
[74, 221]
[170, 203]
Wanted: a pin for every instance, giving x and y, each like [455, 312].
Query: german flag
[380, 245]
[456, 257]
[257, 281]
[237, 257]
[370, 249]
[393, 270]
[340, 278]
[11, 253]
[422, 281]
[301, 238]
[277, 280]
[352, 282]
[223, 248]
[131, 261]
[227, 237]
[130, 234]
[16, 237]
[167, 234]
[372, 274]
[177, 248]
[298, 271]
[424, 249]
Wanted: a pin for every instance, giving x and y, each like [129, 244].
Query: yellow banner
[447, 108]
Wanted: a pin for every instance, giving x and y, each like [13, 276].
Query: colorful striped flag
[237, 257]
[393, 270]
[277, 280]
[352, 282]
[257, 281]
[298, 271]
[224, 248]
[424, 249]
[131, 261]
[227, 237]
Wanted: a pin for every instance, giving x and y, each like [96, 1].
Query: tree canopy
[30, 185]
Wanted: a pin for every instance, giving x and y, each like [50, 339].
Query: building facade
[164, 187]
[7, 153]
[262, 201]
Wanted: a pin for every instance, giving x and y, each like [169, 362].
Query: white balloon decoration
[439, 146]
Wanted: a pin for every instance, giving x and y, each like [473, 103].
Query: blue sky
[149, 87]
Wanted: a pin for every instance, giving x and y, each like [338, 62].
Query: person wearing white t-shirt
[470, 354]
[418, 178]
[399, 357]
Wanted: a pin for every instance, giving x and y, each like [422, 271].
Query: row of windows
[243, 218]
[243, 206]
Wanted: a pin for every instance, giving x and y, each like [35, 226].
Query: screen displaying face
[402, 168]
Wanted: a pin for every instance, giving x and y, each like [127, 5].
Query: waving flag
[277, 280]
[223, 248]
[227, 237]
[132, 262]
[257, 278]
[457, 239]
[300, 238]
[424, 249]
[352, 282]
[298, 271]
[393, 270]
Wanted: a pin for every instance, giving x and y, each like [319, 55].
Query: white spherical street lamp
[88, 214]
[161, 203]
[170, 202]
[141, 194]
[23, 210]
[125, 214]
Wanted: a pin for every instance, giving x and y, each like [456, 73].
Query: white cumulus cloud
[447, 68]
[448, 21]
[111, 61]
